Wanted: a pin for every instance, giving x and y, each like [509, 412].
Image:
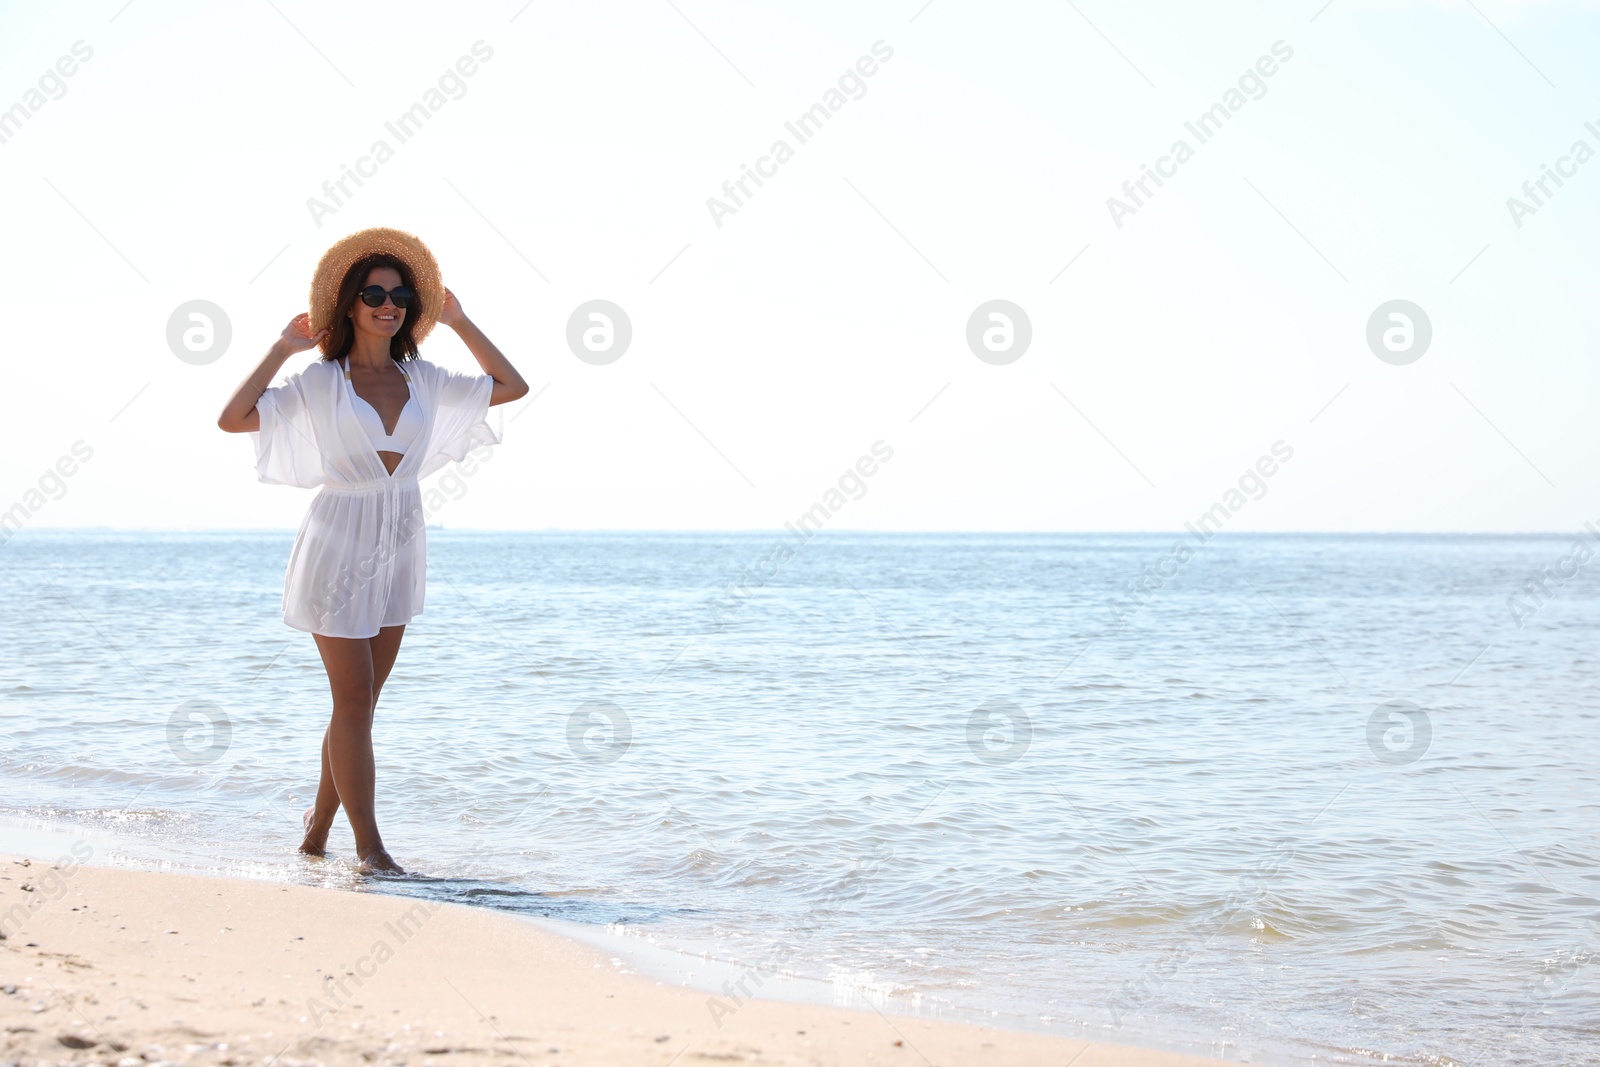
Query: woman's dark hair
[402, 345]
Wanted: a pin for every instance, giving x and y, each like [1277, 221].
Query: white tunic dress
[360, 558]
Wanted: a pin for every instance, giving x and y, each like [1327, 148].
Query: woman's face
[382, 321]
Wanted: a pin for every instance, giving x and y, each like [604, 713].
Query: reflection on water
[1317, 797]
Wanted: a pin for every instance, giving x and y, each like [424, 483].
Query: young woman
[364, 424]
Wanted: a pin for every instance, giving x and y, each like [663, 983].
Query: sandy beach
[125, 967]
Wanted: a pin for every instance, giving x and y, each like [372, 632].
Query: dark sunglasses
[373, 296]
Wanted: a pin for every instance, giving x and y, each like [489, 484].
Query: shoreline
[194, 968]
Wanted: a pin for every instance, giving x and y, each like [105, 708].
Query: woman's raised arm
[239, 415]
[508, 384]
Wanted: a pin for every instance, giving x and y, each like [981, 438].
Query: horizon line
[757, 530]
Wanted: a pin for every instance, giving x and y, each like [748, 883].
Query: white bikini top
[406, 427]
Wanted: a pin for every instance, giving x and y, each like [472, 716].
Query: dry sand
[130, 968]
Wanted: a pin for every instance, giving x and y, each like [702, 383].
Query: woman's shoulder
[439, 372]
[318, 368]
[421, 369]
[318, 372]
[435, 374]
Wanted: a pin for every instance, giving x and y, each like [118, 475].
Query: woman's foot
[378, 861]
[315, 843]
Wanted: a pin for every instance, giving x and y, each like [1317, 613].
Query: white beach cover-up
[360, 558]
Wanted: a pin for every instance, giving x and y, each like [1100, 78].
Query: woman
[364, 424]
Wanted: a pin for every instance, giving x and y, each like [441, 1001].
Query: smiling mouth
[385, 318]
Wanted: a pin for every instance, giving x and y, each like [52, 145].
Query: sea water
[1292, 798]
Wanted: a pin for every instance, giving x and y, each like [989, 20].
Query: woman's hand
[451, 314]
[240, 414]
[297, 336]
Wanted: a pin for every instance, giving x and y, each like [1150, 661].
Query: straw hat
[407, 248]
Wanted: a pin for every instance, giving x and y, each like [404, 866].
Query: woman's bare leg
[351, 664]
[385, 648]
[318, 819]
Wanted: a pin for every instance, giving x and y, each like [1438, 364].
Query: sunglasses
[374, 295]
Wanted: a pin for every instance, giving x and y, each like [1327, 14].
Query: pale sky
[830, 311]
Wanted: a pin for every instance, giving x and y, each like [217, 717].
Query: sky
[1179, 337]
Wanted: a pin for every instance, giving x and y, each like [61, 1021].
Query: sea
[1291, 799]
